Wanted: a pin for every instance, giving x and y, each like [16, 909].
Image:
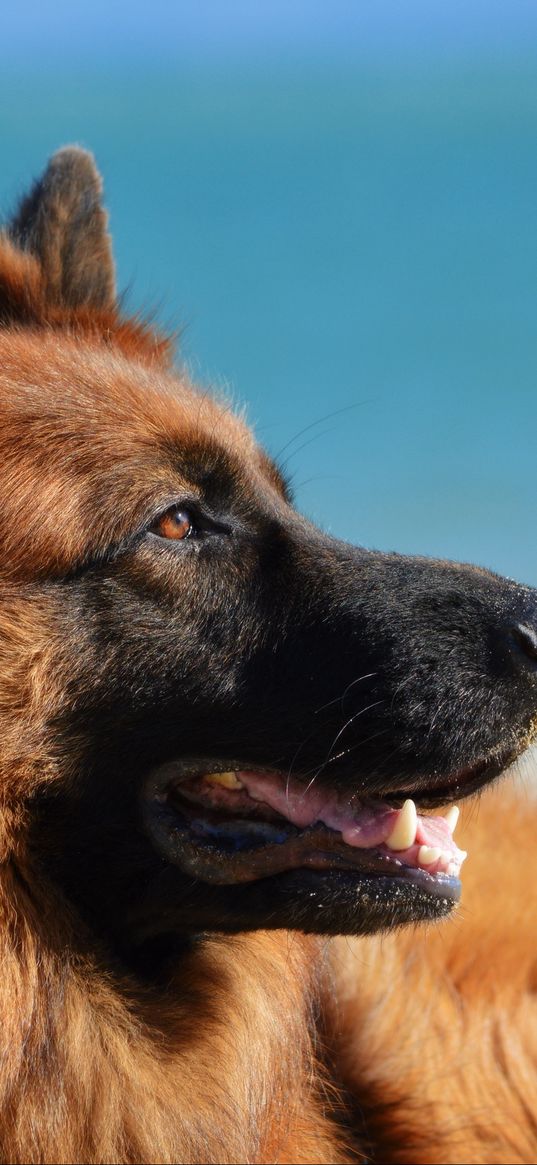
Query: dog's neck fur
[93, 1068]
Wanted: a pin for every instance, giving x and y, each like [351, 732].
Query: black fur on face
[263, 642]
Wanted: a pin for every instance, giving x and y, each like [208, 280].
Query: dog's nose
[523, 643]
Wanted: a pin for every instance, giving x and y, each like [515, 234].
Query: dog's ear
[62, 224]
[56, 263]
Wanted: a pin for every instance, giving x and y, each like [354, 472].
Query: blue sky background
[220, 29]
[338, 202]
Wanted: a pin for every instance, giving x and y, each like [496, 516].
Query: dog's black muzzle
[386, 671]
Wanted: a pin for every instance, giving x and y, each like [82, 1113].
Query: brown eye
[176, 524]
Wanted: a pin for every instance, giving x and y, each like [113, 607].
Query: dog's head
[215, 716]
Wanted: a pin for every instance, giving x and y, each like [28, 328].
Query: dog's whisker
[350, 722]
[342, 698]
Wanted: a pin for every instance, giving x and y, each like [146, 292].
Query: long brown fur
[420, 1046]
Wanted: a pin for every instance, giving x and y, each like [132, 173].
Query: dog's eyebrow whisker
[294, 452]
[319, 421]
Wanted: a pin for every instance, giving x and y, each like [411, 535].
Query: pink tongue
[362, 826]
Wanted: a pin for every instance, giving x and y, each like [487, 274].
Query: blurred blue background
[337, 202]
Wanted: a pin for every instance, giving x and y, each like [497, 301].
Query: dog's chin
[322, 902]
[336, 902]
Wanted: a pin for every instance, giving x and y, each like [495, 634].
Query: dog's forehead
[83, 389]
[88, 439]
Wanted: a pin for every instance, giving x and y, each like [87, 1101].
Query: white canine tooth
[427, 854]
[403, 834]
[452, 816]
[226, 780]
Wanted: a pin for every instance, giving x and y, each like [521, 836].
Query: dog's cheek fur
[31, 698]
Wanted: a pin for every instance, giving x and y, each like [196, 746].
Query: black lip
[464, 783]
[338, 902]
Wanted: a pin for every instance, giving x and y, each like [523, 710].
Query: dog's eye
[176, 524]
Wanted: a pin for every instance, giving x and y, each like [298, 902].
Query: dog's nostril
[525, 640]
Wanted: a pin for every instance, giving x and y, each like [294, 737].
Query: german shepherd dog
[216, 724]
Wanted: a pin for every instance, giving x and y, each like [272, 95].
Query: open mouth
[229, 825]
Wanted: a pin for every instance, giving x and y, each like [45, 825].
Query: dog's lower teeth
[428, 854]
[225, 780]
